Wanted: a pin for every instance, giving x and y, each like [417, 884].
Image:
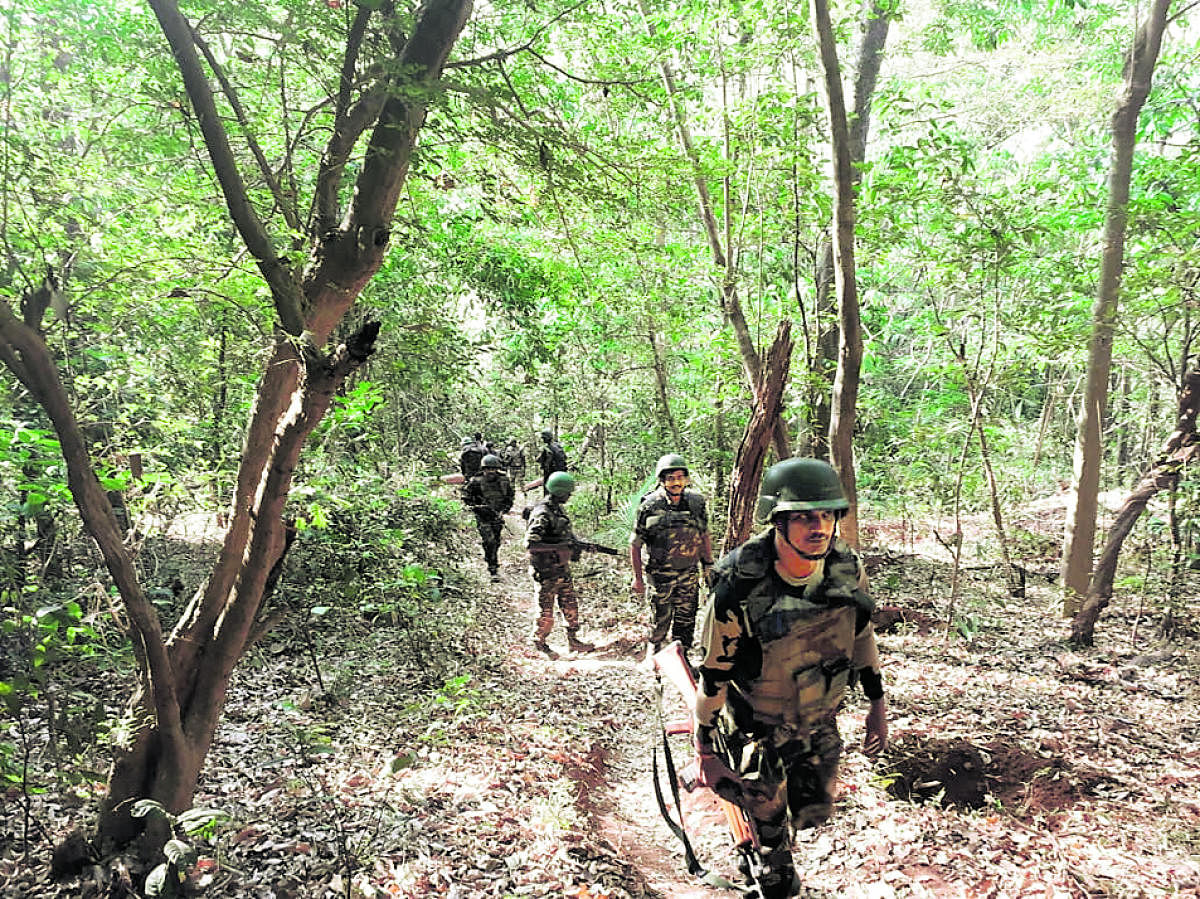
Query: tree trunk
[661, 384]
[752, 452]
[823, 366]
[850, 350]
[1181, 448]
[174, 714]
[1084, 499]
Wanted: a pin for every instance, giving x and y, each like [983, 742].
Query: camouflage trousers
[674, 597]
[554, 584]
[789, 776]
[490, 528]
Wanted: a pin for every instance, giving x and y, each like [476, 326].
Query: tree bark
[174, 714]
[752, 452]
[877, 21]
[850, 350]
[1181, 448]
[1080, 529]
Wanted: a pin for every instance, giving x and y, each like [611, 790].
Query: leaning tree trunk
[850, 349]
[1080, 531]
[174, 715]
[1164, 474]
[752, 453]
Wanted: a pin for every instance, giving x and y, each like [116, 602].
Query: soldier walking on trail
[470, 457]
[552, 458]
[489, 494]
[514, 460]
[672, 523]
[550, 542]
[789, 629]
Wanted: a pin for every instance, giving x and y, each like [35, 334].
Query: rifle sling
[693, 863]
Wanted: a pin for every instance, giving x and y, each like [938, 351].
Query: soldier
[672, 522]
[552, 458]
[470, 457]
[550, 540]
[514, 459]
[788, 630]
[489, 494]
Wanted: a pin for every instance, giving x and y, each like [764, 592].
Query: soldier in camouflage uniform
[672, 523]
[789, 629]
[550, 540]
[489, 494]
[514, 460]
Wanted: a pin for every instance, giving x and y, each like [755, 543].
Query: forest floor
[1018, 767]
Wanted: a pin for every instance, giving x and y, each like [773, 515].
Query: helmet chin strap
[797, 550]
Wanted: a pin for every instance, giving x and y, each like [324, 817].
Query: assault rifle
[671, 663]
[582, 546]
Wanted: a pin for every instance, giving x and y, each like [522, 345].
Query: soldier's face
[810, 532]
[674, 482]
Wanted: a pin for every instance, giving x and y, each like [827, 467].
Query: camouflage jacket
[673, 532]
[552, 458]
[490, 489]
[549, 524]
[778, 654]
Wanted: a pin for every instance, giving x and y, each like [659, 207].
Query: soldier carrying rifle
[788, 631]
[552, 547]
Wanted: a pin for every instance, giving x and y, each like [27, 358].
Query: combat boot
[578, 645]
[540, 644]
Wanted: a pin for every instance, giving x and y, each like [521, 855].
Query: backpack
[469, 460]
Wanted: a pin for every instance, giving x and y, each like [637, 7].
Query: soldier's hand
[638, 586]
[712, 772]
[707, 570]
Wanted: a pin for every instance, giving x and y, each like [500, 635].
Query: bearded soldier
[489, 494]
[672, 523]
[552, 547]
[789, 629]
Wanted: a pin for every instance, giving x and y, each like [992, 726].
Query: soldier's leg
[766, 801]
[811, 773]
[569, 603]
[545, 591]
[685, 599]
[491, 544]
[660, 609]
[484, 527]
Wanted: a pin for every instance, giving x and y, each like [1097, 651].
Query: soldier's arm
[723, 633]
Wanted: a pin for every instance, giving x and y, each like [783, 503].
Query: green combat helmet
[560, 484]
[670, 462]
[799, 485]
[547, 436]
[491, 461]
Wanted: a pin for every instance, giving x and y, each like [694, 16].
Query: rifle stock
[672, 665]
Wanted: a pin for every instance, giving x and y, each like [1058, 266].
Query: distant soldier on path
[552, 458]
[550, 542]
[672, 523]
[489, 494]
[514, 460]
[470, 457]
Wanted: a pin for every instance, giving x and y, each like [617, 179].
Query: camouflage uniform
[489, 494]
[552, 458]
[674, 535]
[779, 658]
[514, 459]
[551, 567]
